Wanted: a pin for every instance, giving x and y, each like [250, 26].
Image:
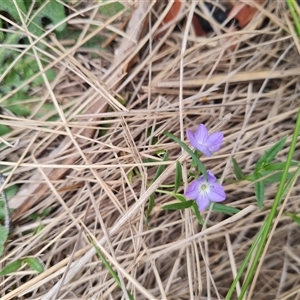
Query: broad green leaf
[11, 191]
[237, 170]
[178, 176]
[161, 168]
[111, 9]
[53, 11]
[270, 154]
[218, 207]
[3, 212]
[259, 193]
[11, 10]
[12, 267]
[34, 264]
[178, 206]
[3, 238]
[4, 129]
[50, 74]
[189, 151]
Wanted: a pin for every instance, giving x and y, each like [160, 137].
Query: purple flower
[203, 191]
[204, 142]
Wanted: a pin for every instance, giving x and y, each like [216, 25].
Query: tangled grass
[89, 165]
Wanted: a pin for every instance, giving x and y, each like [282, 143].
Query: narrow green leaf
[12, 267]
[46, 212]
[34, 264]
[150, 207]
[108, 267]
[274, 177]
[295, 218]
[197, 213]
[237, 170]
[189, 151]
[259, 193]
[178, 176]
[270, 154]
[178, 206]
[161, 168]
[221, 208]
[180, 197]
[252, 177]
[38, 229]
[290, 182]
[278, 166]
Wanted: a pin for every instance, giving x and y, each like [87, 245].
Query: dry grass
[178, 82]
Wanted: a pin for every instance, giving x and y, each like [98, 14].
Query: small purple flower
[203, 191]
[204, 142]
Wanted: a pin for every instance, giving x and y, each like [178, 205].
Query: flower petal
[191, 137]
[204, 149]
[202, 201]
[214, 141]
[211, 178]
[201, 134]
[217, 193]
[192, 191]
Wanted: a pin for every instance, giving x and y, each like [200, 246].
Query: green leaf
[197, 213]
[4, 129]
[150, 208]
[161, 168]
[270, 154]
[111, 9]
[3, 238]
[273, 177]
[46, 212]
[108, 267]
[278, 166]
[12, 267]
[53, 11]
[178, 206]
[237, 170]
[252, 177]
[10, 9]
[11, 191]
[34, 264]
[295, 218]
[38, 229]
[221, 208]
[259, 193]
[189, 151]
[178, 176]
[180, 197]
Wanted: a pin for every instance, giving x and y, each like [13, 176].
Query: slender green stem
[291, 5]
[272, 214]
[244, 264]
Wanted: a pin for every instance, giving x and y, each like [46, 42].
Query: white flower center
[204, 188]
